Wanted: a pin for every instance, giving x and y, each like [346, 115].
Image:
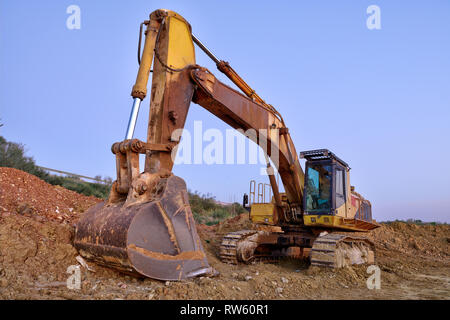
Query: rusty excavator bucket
[157, 239]
[146, 226]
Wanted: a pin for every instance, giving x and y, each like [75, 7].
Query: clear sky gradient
[379, 99]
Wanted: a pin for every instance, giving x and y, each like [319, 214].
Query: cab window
[340, 187]
[318, 188]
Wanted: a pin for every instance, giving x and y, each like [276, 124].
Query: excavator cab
[329, 200]
[325, 182]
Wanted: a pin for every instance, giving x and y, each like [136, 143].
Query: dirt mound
[26, 194]
[411, 239]
[36, 250]
[33, 255]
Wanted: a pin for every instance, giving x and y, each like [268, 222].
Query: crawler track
[228, 248]
[332, 250]
[338, 250]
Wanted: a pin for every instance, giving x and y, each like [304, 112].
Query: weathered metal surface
[172, 88]
[156, 239]
[241, 112]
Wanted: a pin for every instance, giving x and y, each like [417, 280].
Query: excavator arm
[146, 225]
[173, 88]
[243, 113]
[177, 80]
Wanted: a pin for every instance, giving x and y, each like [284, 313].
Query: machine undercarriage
[333, 250]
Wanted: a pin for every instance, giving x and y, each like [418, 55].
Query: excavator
[146, 225]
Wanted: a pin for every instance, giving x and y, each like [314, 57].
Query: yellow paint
[326, 221]
[342, 211]
[181, 48]
[262, 213]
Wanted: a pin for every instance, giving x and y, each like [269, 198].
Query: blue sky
[380, 99]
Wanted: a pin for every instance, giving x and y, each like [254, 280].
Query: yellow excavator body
[146, 226]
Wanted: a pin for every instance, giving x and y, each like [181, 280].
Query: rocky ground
[36, 232]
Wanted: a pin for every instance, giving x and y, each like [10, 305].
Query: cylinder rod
[133, 118]
[205, 49]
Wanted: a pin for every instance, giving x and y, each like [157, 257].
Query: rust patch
[169, 226]
[186, 215]
[180, 209]
[187, 208]
[186, 255]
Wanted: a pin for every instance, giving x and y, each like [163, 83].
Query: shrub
[207, 211]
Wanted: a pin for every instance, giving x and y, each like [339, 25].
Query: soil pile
[26, 194]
